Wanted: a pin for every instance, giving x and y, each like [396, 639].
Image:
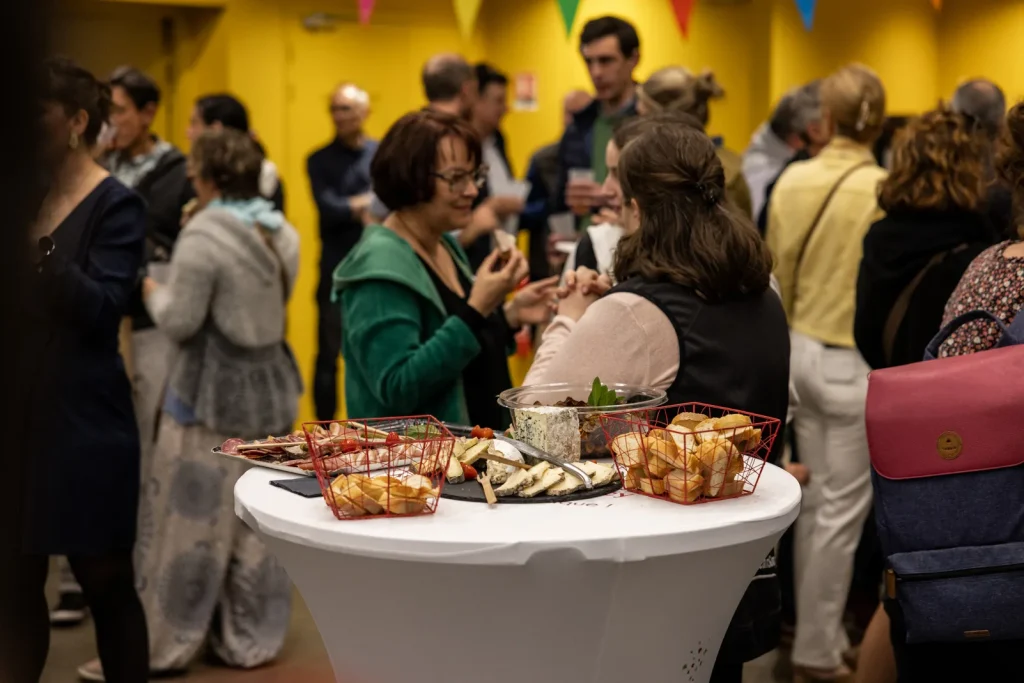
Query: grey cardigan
[224, 306]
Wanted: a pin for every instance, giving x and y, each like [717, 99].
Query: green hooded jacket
[404, 355]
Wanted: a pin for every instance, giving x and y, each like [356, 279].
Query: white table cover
[604, 590]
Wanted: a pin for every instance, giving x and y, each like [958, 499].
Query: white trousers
[832, 442]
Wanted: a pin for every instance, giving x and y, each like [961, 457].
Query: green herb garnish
[601, 395]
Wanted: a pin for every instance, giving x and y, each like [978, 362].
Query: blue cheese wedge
[550, 477]
[518, 481]
[552, 430]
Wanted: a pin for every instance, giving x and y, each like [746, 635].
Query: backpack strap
[932, 352]
[1014, 334]
[899, 309]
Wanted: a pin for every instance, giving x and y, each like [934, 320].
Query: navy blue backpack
[946, 439]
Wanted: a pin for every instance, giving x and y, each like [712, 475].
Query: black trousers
[328, 347]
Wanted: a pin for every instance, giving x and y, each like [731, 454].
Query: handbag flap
[947, 416]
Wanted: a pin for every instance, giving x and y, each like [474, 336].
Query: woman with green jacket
[420, 333]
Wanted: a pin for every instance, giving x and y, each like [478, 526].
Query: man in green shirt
[611, 49]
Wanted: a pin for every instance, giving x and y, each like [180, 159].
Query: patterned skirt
[203, 576]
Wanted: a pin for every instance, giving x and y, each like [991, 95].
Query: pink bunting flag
[366, 11]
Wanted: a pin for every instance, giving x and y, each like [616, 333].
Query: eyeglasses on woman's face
[460, 180]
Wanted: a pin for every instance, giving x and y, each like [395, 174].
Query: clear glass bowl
[593, 439]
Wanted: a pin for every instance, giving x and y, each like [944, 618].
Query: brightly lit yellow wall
[982, 38]
[528, 36]
[259, 50]
[896, 38]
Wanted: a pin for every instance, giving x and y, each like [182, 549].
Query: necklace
[449, 277]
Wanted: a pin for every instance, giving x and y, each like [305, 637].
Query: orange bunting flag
[683, 8]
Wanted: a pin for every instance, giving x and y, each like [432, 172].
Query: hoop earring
[73, 141]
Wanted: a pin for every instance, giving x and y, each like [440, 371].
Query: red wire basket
[692, 452]
[381, 467]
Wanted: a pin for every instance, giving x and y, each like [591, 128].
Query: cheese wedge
[600, 475]
[454, 473]
[539, 469]
[520, 479]
[569, 484]
[551, 477]
[473, 453]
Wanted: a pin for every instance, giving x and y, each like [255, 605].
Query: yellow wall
[528, 36]
[259, 50]
[982, 38]
[896, 38]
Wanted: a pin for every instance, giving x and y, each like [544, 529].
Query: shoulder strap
[899, 309]
[932, 352]
[821, 212]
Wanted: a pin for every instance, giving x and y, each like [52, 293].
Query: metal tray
[305, 473]
[266, 465]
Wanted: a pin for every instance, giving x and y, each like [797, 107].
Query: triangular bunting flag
[937, 4]
[683, 8]
[568, 8]
[465, 14]
[806, 8]
[366, 10]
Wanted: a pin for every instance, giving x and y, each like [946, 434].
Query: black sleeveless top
[733, 354]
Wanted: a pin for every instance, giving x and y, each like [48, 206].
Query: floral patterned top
[993, 283]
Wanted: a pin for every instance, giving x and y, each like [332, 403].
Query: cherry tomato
[469, 471]
[392, 439]
[349, 445]
[482, 433]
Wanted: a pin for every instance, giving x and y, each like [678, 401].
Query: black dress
[83, 489]
[487, 375]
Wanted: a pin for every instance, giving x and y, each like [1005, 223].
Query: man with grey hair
[983, 103]
[450, 84]
[339, 175]
[794, 126]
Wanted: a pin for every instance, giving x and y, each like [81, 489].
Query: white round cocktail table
[608, 590]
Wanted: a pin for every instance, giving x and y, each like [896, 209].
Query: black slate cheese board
[473, 492]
